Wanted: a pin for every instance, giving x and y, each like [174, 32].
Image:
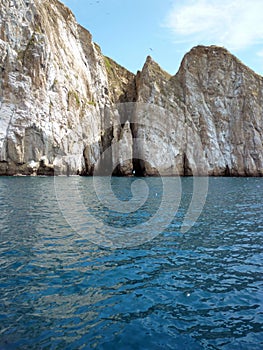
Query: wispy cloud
[236, 24]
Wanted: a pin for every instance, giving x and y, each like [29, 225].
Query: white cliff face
[213, 116]
[229, 115]
[54, 85]
[58, 113]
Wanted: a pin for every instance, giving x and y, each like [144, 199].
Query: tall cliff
[64, 105]
[214, 115]
[55, 85]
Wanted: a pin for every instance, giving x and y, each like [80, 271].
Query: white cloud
[236, 24]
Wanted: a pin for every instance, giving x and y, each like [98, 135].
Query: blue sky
[129, 30]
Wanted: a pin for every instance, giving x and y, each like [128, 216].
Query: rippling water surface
[201, 289]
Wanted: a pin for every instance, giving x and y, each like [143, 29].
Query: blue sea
[66, 282]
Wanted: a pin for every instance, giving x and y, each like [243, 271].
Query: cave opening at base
[132, 167]
[138, 167]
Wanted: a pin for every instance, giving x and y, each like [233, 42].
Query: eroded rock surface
[63, 104]
[55, 84]
[212, 121]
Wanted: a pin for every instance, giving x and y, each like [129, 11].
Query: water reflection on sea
[198, 290]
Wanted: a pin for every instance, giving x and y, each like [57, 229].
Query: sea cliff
[63, 104]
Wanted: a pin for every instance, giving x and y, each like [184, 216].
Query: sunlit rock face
[61, 104]
[212, 121]
[54, 88]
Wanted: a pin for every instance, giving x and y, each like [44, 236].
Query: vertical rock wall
[63, 104]
[212, 120]
[54, 89]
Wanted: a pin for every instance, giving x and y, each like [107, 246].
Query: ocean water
[62, 288]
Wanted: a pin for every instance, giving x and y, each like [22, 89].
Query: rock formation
[64, 106]
[214, 114]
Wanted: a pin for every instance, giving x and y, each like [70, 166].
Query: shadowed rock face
[59, 104]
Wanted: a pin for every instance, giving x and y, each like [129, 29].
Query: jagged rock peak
[152, 67]
[149, 59]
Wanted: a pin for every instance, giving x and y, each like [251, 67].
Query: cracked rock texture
[64, 106]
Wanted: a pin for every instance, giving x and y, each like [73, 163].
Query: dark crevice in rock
[106, 139]
[186, 166]
[227, 171]
[138, 167]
